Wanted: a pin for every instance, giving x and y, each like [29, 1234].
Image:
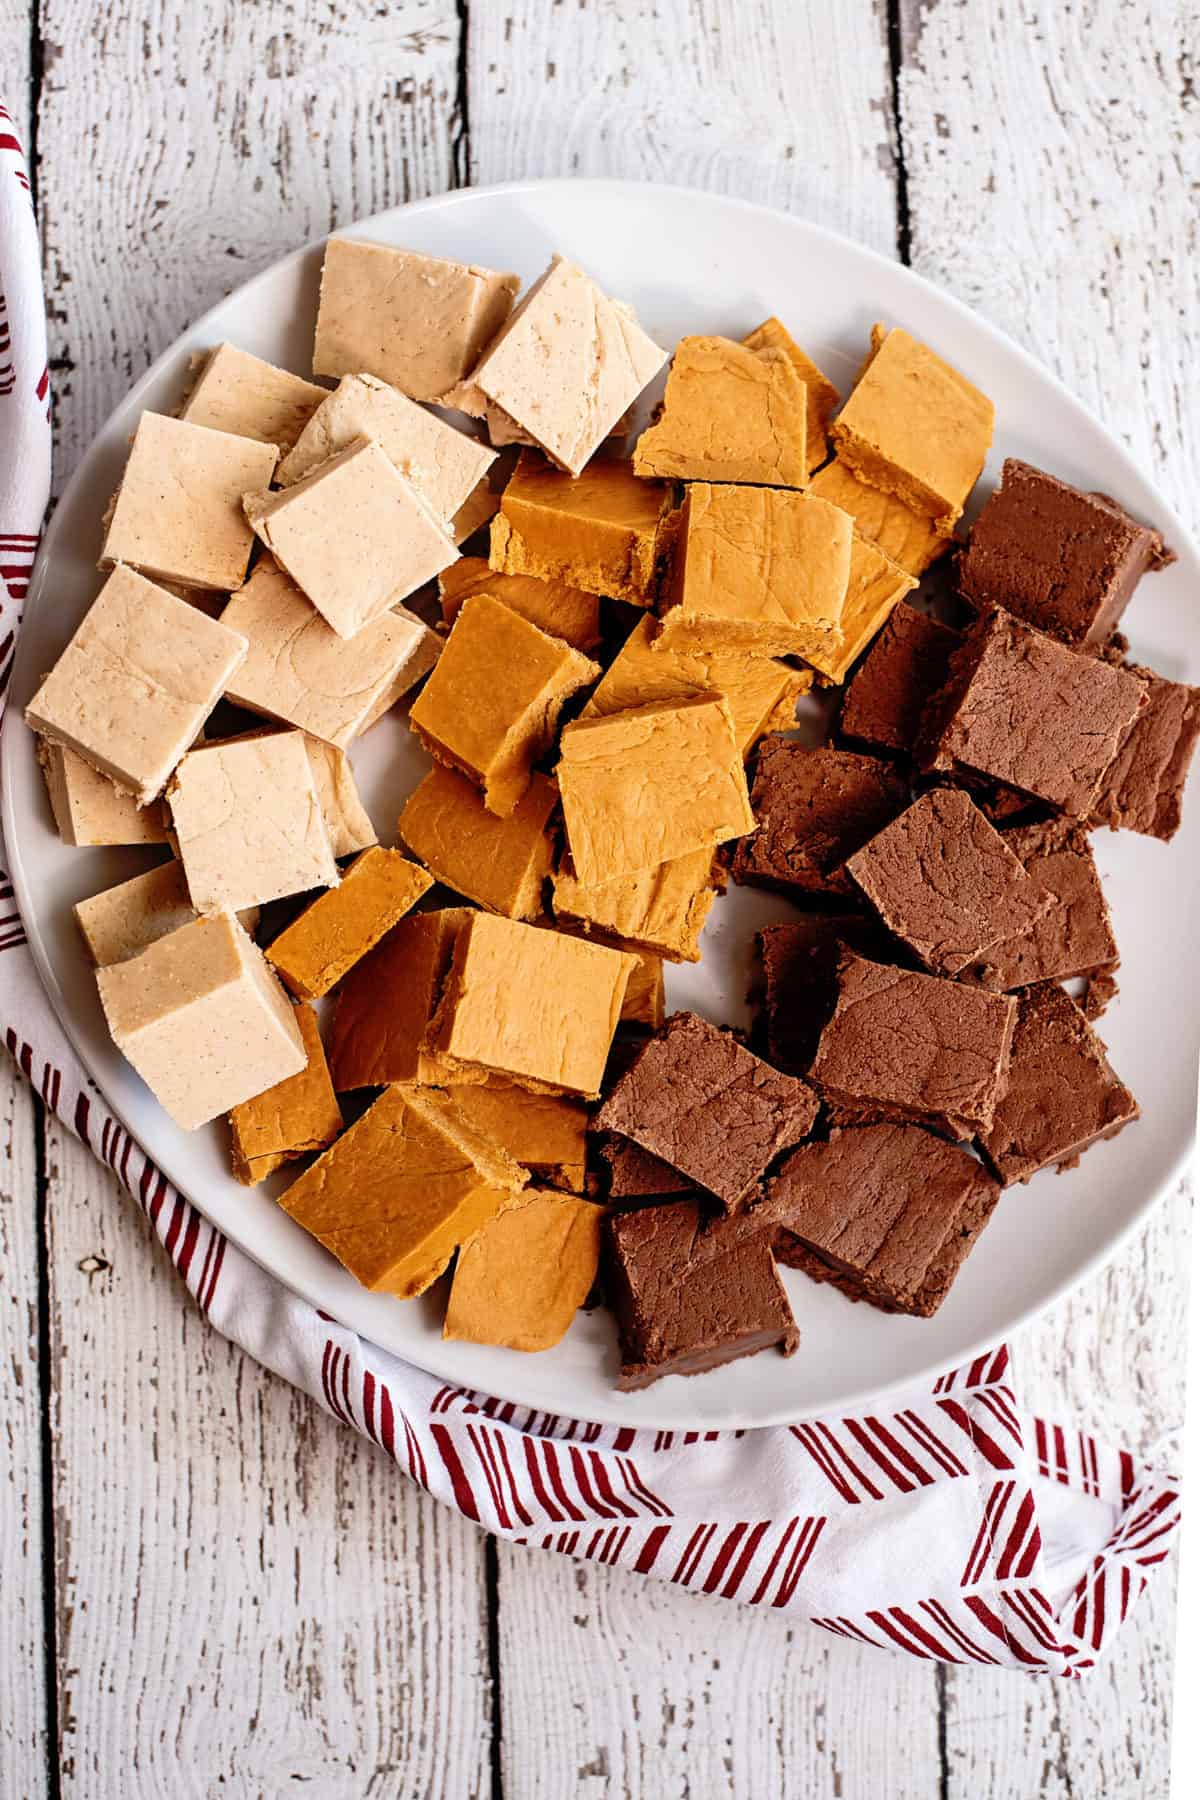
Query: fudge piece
[631, 1173]
[700, 1102]
[661, 909]
[887, 1213]
[915, 427]
[689, 1295]
[90, 809]
[354, 535]
[1074, 935]
[598, 533]
[566, 366]
[821, 397]
[800, 979]
[346, 819]
[477, 510]
[292, 1119]
[501, 864]
[909, 538]
[1062, 560]
[814, 809]
[905, 666]
[1061, 1096]
[545, 1133]
[875, 587]
[1142, 788]
[1099, 993]
[298, 669]
[202, 1019]
[555, 607]
[490, 709]
[945, 882]
[1024, 710]
[535, 1006]
[444, 465]
[417, 322]
[242, 394]
[397, 1194]
[761, 693]
[645, 1000]
[729, 414]
[641, 788]
[136, 682]
[386, 1002]
[178, 510]
[339, 928]
[914, 1048]
[520, 1280]
[249, 824]
[125, 920]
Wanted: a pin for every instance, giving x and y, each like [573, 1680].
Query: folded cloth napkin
[950, 1525]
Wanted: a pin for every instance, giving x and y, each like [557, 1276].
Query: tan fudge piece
[397, 1194]
[125, 920]
[386, 1002]
[491, 706]
[242, 394]
[90, 809]
[346, 819]
[598, 533]
[662, 909]
[425, 654]
[249, 823]
[338, 929]
[418, 322]
[876, 585]
[643, 787]
[820, 394]
[178, 511]
[909, 538]
[292, 1119]
[355, 536]
[501, 864]
[553, 606]
[915, 427]
[567, 365]
[545, 1133]
[759, 690]
[531, 1005]
[136, 683]
[444, 465]
[521, 1280]
[729, 414]
[202, 1020]
[761, 570]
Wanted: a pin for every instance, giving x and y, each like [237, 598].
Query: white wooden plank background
[230, 1593]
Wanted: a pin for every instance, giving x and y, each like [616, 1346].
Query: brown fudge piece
[690, 1297]
[729, 414]
[501, 864]
[886, 1212]
[289, 1120]
[1060, 559]
[631, 1173]
[905, 666]
[1142, 788]
[1023, 709]
[1074, 936]
[699, 1101]
[1061, 1096]
[913, 1047]
[800, 979]
[814, 809]
[387, 1000]
[821, 397]
[1102, 989]
[341, 926]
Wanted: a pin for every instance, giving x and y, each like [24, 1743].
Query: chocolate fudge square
[631, 1173]
[945, 882]
[1142, 788]
[913, 1048]
[903, 669]
[1062, 1096]
[1022, 709]
[887, 1213]
[1060, 559]
[1074, 936]
[814, 809]
[800, 979]
[690, 1295]
[700, 1102]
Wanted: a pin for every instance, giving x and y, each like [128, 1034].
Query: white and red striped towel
[954, 1526]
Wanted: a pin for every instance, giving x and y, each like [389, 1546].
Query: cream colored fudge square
[354, 535]
[125, 920]
[298, 669]
[428, 649]
[251, 398]
[346, 819]
[202, 1019]
[178, 511]
[444, 465]
[569, 362]
[418, 322]
[136, 683]
[249, 823]
[90, 809]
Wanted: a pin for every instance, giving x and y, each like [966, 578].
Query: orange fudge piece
[289, 1120]
[662, 910]
[820, 394]
[338, 929]
[385, 1003]
[876, 585]
[598, 532]
[545, 1133]
[521, 1280]
[729, 414]
[555, 607]
[908, 537]
[501, 864]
